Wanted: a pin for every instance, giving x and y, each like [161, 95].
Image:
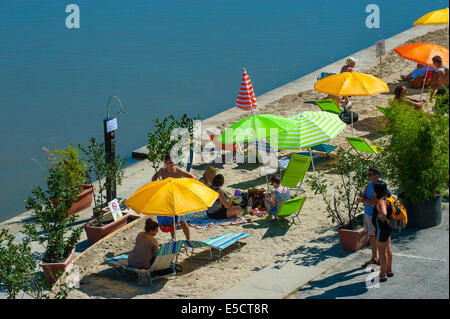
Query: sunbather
[418, 71]
[170, 170]
[278, 195]
[208, 175]
[400, 95]
[146, 247]
[222, 207]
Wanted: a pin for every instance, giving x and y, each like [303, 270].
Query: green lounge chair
[328, 105]
[386, 111]
[289, 208]
[360, 145]
[161, 267]
[295, 171]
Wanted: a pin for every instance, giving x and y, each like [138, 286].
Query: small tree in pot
[342, 207]
[101, 171]
[416, 161]
[51, 227]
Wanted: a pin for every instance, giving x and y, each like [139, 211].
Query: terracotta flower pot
[94, 233]
[84, 200]
[52, 270]
[353, 239]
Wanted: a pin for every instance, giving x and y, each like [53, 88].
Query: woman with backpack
[381, 213]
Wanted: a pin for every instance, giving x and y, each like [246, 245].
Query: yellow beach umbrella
[351, 83]
[171, 197]
[433, 18]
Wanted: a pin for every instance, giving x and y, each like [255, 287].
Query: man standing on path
[170, 170]
[369, 199]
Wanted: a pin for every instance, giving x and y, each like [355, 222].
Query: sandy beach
[270, 243]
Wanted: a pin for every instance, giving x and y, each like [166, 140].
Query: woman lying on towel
[222, 207]
[146, 247]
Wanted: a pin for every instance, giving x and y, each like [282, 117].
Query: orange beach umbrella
[434, 17]
[423, 53]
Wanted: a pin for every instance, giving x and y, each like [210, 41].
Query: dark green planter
[427, 213]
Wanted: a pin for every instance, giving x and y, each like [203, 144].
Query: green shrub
[72, 166]
[99, 170]
[159, 141]
[416, 158]
[343, 207]
[51, 227]
[16, 264]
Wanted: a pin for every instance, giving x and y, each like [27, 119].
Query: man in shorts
[171, 170]
[369, 199]
[440, 81]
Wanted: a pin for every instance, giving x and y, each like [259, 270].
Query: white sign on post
[380, 49]
[111, 125]
[115, 209]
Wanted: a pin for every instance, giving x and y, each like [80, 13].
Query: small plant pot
[53, 270]
[352, 239]
[94, 234]
[84, 200]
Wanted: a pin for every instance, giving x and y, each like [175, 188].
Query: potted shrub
[51, 227]
[343, 207]
[415, 160]
[74, 174]
[98, 169]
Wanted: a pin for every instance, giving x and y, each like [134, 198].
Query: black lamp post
[110, 151]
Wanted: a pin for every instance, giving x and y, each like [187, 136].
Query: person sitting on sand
[208, 175]
[439, 84]
[170, 170]
[222, 207]
[345, 103]
[349, 66]
[146, 247]
[400, 95]
[418, 71]
[277, 196]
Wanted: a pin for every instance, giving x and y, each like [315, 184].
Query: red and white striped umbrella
[246, 99]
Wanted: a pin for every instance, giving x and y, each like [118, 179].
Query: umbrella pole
[312, 161]
[174, 230]
[423, 84]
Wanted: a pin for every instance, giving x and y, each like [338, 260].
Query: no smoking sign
[380, 49]
[115, 209]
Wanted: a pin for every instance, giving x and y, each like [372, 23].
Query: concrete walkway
[321, 269]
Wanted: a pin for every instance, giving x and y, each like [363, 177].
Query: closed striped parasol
[313, 128]
[246, 99]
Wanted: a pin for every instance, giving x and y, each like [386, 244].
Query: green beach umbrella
[312, 128]
[256, 127]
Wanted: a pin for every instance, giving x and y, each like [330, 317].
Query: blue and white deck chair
[163, 261]
[220, 243]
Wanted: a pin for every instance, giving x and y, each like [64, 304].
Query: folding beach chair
[162, 266]
[324, 148]
[289, 208]
[295, 171]
[386, 111]
[220, 243]
[360, 145]
[323, 75]
[328, 105]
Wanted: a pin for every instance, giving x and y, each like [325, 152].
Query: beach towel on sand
[201, 220]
